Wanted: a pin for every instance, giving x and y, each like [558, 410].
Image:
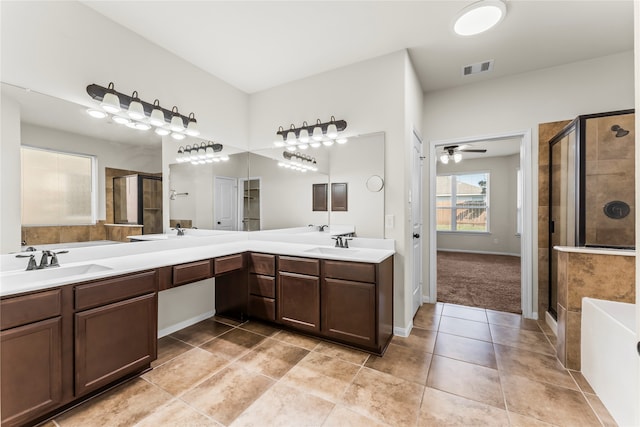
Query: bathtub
[609, 358]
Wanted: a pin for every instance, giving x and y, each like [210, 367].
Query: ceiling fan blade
[474, 150]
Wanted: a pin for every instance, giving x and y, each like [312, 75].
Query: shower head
[619, 131]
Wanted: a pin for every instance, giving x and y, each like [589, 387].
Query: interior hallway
[460, 366]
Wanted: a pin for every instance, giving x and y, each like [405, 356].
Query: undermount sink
[332, 251]
[50, 273]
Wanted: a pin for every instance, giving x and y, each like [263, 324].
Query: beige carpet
[479, 280]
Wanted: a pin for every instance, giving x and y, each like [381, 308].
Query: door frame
[528, 291]
[416, 138]
[240, 209]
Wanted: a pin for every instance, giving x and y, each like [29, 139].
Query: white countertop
[96, 262]
[595, 251]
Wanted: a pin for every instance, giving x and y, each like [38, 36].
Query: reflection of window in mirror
[339, 197]
[320, 197]
[57, 188]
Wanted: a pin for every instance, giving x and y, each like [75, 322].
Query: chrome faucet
[322, 227]
[32, 261]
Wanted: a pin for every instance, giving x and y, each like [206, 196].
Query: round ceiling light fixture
[479, 17]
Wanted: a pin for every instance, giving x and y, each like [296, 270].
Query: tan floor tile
[285, 406]
[582, 382]
[228, 393]
[518, 420]
[462, 312]
[465, 328]
[528, 340]
[384, 397]
[406, 363]
[464, 379]
[233, 344]
[298, 340]
[547, 402]
[601, 411]
[168, 348]
[466, 349]
[418, 339]
[272, 358]
[322, 376]
[176, 414]
[260, 328]
[341, 352]
[512, 320]
[535, 366]
[444, 409]
[343, 417]
[201, 332]
[186, 370]
[123, 406]
[428, 317]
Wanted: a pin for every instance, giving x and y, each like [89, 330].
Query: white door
[416, 221]
[225, 203]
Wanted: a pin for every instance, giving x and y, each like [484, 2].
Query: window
[57, 188]
[462, 202]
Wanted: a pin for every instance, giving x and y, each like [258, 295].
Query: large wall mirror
[250, 191]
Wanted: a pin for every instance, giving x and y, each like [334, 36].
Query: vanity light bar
[115, 102]
[299, 162]
[201, 154]
[309, 134]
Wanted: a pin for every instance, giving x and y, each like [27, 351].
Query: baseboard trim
[551, 322]
[427, 299]
[185, 323]
[403, 332]
[479, 252]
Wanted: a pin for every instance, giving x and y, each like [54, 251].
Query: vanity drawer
[191, 272]
[262, 264]
[262, 308]
[228, 263]
[262, 285]
[299, 265]
[17, 311]
[356, 271]
[106, 291]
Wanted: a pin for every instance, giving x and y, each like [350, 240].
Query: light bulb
[202, 153]
[224, 158]
[279, 141]
[177, 125]
[328, 142]
[97, 114]
[291, 148]
[304, 134]
[457, 157]
[178, 136]
[315, 144]
[332, 129]
[192, 126]
[444, 159]
[162, 131]
[342, 140]
[110, 101]
[291, 137]
[157, 116]
[136, 110]
[303, 146]
[210, 152]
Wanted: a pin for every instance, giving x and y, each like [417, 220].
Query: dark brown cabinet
[114, 340]
[262, 286]
[299, 293]
[31, 372]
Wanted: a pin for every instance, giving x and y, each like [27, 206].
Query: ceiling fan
[452, 152]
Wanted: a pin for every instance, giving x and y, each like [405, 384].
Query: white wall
[10, 221]
[108, 153]
[502, 238]
[522, 101]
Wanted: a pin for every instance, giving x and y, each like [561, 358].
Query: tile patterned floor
[461, 366]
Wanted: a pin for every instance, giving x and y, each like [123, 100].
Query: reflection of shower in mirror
[173, 194]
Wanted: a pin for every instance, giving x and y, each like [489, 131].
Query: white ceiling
[256, 45]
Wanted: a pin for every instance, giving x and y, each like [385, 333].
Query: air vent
[477, 68]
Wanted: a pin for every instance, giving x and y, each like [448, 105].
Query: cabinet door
[299, 301]
[113, 341]
[31, 372]
[349, 311]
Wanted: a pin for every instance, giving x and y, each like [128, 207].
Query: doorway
[250, 204]
[525, 208]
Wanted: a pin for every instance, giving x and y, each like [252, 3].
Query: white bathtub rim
[622, 313]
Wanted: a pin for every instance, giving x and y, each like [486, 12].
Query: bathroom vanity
[66, 337]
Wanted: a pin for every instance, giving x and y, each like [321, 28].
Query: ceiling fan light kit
[454, 152]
